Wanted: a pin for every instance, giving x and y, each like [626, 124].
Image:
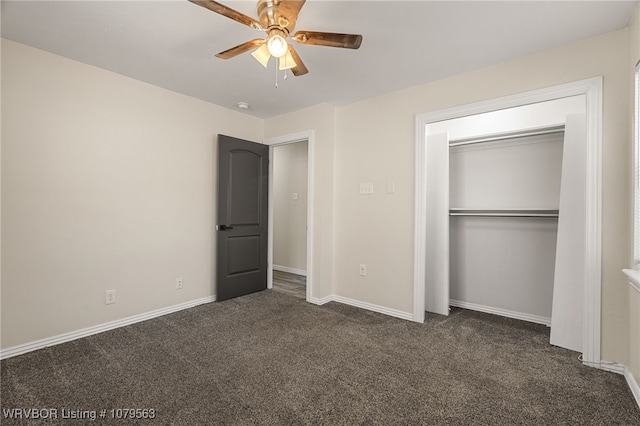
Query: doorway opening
[290, 243]
[289, 165]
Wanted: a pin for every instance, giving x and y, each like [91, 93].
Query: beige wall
[374, 143]
[289, 212]
[633, 295]
[107, 183]
[321, 120]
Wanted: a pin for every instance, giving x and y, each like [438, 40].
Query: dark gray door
[243, 173]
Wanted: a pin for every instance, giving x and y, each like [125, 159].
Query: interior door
[243, 177]
[437, 228]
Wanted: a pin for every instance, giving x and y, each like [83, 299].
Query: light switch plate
[366, 188]
[391, 187]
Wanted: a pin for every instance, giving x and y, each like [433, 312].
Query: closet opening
[507, 218]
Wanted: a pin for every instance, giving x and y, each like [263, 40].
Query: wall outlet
[363, 270]
[109, 297]
[179, 283]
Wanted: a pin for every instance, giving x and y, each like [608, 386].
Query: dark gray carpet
[273, 359]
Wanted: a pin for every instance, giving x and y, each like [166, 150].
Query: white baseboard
[613, 367]
[501, 312]
[375, 308]
[363, 305]
[73, 335]
[633, 385]
[290, 270]
[321, 301]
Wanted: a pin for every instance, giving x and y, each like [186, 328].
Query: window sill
[634, 278]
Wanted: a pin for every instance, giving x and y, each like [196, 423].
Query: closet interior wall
[504, 200]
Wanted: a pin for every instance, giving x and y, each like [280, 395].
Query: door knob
[223, 227]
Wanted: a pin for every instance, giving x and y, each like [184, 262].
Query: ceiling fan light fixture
[262, 55]
[277, 43]
[278, 19]
[287, 61]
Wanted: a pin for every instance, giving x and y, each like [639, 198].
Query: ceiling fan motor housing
[278, 14]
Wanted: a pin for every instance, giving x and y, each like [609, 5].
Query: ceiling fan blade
[229, 13]
[347, 41]
[299, 69]
[293, 7]
[241, 48]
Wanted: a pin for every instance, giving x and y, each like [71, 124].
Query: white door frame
[592, 90]
[306, 136]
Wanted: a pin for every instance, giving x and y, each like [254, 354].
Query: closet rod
[505, 213]
[508, 135]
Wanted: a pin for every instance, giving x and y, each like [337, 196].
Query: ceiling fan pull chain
[285, 67]
[277, 65]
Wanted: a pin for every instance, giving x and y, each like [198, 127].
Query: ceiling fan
[278, 18]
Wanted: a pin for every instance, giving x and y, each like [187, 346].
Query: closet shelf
[537, 131]
[549, 213]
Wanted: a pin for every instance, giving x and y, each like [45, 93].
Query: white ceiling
[171, 43]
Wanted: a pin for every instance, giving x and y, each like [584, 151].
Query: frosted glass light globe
[277, 45]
